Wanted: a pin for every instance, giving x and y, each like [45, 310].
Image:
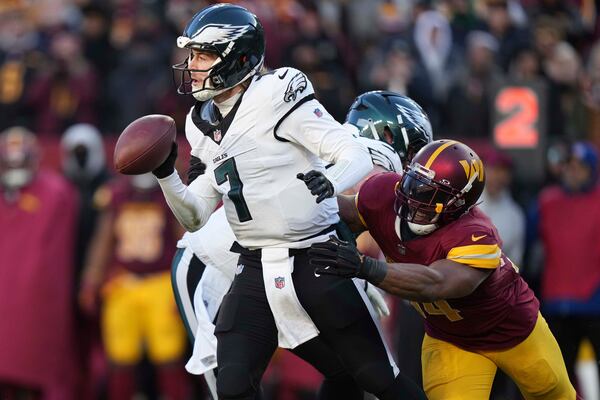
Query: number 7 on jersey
[228, 171]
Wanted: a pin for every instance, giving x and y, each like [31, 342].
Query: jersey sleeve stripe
[479, 263]
[362, 220]
[475, 250]
[484, 256]
[291, 110]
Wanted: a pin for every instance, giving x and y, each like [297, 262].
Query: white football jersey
[212, 243]
[275, 131]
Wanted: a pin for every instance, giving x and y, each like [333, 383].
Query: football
[144, 144]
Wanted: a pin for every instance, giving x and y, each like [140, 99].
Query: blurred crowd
[107, 62]
[518, 80]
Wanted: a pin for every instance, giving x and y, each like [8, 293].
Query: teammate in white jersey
[256, 134]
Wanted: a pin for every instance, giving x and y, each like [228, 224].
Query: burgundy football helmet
[443, 181]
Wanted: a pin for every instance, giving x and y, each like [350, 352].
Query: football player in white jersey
[257, 134]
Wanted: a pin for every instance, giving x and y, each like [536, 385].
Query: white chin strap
[208, 92]
[421, 230]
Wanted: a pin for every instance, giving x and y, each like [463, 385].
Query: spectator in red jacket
[569, 225]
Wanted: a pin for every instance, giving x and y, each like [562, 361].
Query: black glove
[168, 166]
[197, 168]
[336, 257]
[318, 184]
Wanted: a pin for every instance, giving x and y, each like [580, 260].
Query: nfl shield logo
[318, 112]
[280, 282]
[217, 135]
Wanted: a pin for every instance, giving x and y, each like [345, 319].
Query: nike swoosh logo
[476, 238]
[283, 75]
[319, 275]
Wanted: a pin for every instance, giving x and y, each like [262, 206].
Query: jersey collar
[208, 119]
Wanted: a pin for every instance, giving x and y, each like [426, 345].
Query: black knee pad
[234, 382]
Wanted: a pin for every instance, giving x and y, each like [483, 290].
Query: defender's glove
[197, 168]
[168, 166]
[318, 184]
[336, 257]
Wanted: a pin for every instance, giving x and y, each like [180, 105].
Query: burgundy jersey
[144, 240]
[570, 254]
[499, 314]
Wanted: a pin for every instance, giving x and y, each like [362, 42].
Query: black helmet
[231, 32]
[392, 118]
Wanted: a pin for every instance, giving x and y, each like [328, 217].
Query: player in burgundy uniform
[128, 266]
[445, 256]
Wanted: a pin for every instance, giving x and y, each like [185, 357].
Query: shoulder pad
[296, 83]
[472, 240]
[287, 86]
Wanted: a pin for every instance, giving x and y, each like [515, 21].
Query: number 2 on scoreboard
[520, 108]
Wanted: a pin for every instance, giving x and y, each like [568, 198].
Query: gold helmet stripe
[437, 152]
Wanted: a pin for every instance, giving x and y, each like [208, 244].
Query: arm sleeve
[192, 205]
[320, 134]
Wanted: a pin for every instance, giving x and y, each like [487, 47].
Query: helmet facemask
[212, 85]
[426, 203]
